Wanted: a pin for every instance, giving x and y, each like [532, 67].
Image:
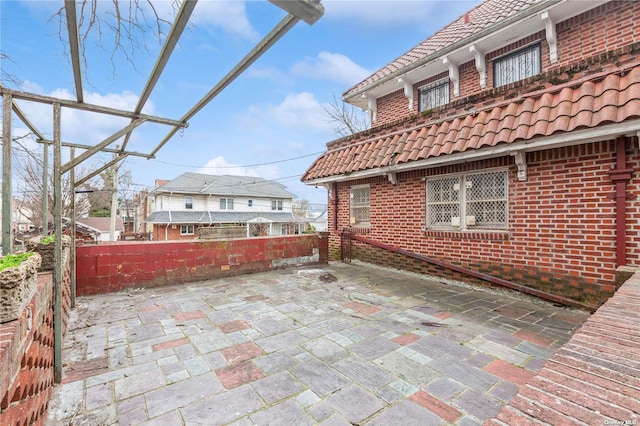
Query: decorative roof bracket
[408, 90]
[550, 29]
[454, 76]
[520, 158]
[481, 64]
[372, 107]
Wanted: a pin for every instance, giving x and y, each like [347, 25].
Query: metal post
[57, 270]
[45, 190]
[7, 239]
[72, 250]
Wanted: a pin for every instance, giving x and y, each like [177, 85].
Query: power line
[238, 166]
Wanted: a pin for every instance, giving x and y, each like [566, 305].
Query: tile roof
[612, 98]
[486, 14]
[226, 185]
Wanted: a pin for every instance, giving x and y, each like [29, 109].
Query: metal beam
[307, 10]
[167, 49]
[7, 238]
[45, 190]
[100, 170]
[74, 46]
[57, 270]
[72, 250]
[117, 135]
[270, 39]
[110, 150]
[26, 121]
[89, 107]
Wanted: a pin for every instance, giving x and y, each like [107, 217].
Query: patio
[347, 344]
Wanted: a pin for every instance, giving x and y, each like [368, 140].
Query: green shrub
[48, 239]
[11, 260]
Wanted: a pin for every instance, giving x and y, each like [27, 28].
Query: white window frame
[428, 94]
[226, 203]
[464, 221]
[187, 229]
[353, 216]
[501, 65]
[188, 202]
[277, 205]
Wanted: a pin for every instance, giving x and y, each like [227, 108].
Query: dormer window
[434, 94]
[517, 66]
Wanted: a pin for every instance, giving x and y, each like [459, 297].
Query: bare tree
[30, 190]
[300, 207]
[346, 119]
[122, 26]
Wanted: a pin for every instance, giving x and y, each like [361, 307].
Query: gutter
[530, 11]
[485, 277]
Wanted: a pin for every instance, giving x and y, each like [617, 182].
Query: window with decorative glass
[186, 229]
[469, 201]
[226, 203]
[360, 208]
[188, 203]
[517, 66]
[434, 94]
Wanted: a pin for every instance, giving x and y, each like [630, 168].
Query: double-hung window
[434, 94]
[188, 203]
[276, 204]
[186, 229]
[517, 66]
[360, 207]
[469, 201]
[226, 203]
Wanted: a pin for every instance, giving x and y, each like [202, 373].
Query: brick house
[196, 205]
[503, 148]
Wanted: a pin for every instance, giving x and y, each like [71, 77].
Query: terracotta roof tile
[604, 99]
[482, 16]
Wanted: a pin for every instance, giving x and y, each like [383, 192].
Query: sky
[270, 122]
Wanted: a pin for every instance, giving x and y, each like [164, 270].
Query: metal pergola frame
[307, 10]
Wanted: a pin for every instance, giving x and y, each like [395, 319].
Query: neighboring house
[506, 143]
[196, 205]
[98, 227]
[316, 216]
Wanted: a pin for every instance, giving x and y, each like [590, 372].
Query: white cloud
[230, 16]
[297, 110]
[396, 13]
[331, 66]
[82, 127]
[220, 166]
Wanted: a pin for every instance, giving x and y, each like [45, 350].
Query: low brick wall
[594, 378]
[119, 266]
[26, 354]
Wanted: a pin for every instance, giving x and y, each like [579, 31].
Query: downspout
[333, 192]
[620, 176]
[470, 272]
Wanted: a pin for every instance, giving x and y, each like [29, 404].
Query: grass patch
[12, 260]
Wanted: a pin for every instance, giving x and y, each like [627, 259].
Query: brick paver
[373, 347]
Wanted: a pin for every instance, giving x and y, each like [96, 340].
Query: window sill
[469, 235]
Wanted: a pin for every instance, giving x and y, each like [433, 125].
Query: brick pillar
[323, 246]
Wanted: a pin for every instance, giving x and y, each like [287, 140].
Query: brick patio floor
[342, 345]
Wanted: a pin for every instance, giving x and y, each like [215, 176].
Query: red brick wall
[26, 356]
[604, 29]
[164, 233]
[561, 235]
[114, 267]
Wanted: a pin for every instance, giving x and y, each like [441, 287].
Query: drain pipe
[620, 176]
[485, 277]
